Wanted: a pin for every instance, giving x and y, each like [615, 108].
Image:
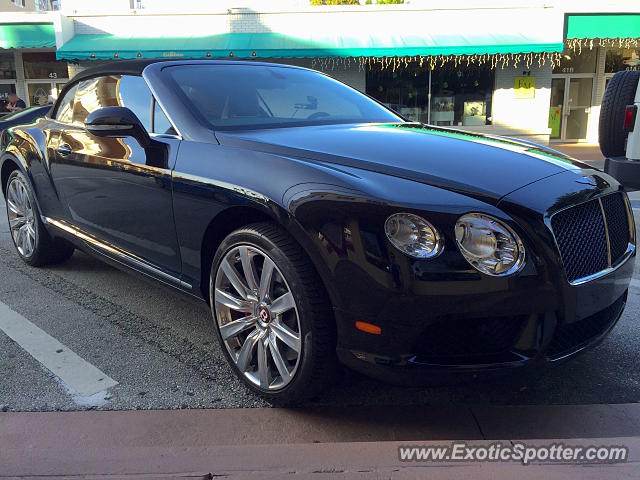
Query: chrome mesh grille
[615, 209]
[581, 235]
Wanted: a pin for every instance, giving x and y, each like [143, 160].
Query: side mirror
[117, 122]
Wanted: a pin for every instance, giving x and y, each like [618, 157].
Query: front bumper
[527, 325]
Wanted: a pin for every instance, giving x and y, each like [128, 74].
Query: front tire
[273, 318]
[32, 241]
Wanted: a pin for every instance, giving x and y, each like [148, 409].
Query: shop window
[405, 91]
[5, 90]
[574, 62]
[619, 59]
[459, 95]
[47, 5]
[40, 65]
[7, 66]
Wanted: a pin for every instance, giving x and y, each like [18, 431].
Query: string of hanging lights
[577, 44]
[502, 60]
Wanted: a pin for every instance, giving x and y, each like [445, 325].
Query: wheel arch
[219, 227]
[237, 217]
[8, 164]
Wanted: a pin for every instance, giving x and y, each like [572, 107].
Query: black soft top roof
[135, 67]
[113, 67]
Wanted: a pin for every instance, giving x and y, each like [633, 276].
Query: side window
[161, 123]
[113, 91]
[65, 107]
[134, 94]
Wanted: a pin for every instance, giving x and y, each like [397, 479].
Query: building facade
[524, 69]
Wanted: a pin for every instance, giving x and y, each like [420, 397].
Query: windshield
[230, 97]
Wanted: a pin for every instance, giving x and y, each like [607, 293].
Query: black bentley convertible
[320, 226]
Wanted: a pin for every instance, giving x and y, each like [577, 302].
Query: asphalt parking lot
[158, 348]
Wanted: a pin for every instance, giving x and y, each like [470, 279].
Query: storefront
[596, 47]
[7, 75]
[28, 64]
[572, 95]
[44, 76]
[455, 73]
[537, 72]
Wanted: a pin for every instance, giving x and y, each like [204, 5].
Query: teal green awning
[603, 26]
[276, 45]
[27, 35]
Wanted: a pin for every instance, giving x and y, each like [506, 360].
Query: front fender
[373, 281]
[27, 148]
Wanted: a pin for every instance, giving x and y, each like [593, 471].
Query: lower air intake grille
[569, 337]
[453, 337]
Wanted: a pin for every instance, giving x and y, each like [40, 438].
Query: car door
[113, 188]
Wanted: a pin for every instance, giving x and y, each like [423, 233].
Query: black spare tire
[620, 92]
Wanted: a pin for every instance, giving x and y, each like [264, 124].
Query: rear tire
[620, 92]
[30, 237]
[302, 333]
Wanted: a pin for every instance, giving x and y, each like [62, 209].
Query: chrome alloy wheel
[21, 217]
[257, 317]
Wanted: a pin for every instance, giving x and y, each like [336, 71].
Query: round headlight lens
[489, 245]
[413, 235]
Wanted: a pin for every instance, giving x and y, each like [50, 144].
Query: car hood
[483, 166]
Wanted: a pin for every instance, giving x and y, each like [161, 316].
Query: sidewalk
[586, 152]
[317, 443]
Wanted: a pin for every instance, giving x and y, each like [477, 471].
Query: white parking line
[76, 373]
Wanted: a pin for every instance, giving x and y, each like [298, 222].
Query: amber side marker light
[368, 327]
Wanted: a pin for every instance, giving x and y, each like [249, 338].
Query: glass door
[38, 92]
[578, 108]
[570, 107]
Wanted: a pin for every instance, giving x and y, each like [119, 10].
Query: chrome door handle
[64, 149]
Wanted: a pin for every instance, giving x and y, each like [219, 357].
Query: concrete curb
[310, 442]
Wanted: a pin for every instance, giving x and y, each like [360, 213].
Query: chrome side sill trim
[631, 248]
[115, 253]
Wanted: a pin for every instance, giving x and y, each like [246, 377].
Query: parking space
[159, 347]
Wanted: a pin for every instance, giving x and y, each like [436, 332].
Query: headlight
[413, 235]
[489, 245]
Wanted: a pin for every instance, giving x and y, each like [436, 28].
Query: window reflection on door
[579, 102]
